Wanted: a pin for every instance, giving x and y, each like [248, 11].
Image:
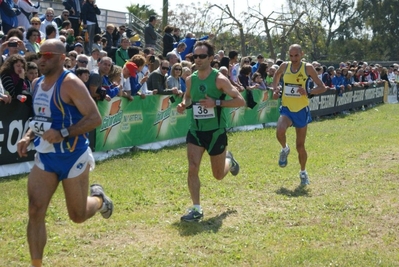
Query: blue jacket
[134, 85]
[8, 15]
[190, 42]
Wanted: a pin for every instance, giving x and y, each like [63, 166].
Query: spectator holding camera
[14, 45]
[99, 85]
[12, 74]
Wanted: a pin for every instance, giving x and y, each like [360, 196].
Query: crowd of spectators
[110, 62]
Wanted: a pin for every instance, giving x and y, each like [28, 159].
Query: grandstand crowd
[115, 62]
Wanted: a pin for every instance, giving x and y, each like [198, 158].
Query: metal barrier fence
[107, 16]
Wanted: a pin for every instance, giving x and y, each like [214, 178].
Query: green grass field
[348, 216]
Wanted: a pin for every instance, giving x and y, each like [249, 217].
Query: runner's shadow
[209, 225]
[300, 191]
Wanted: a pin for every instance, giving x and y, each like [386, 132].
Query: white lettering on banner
[370, 93]
[1, 135]
[358, 95]
[327, 101]
[314, 103]
[346, 98]
[16, 125]
[379, 92]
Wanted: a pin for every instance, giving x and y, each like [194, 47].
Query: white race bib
[40, 124]
[199, 112]
[291, 90]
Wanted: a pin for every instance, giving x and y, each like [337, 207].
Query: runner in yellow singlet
[294, 110]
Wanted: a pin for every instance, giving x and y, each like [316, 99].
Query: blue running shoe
[193, 215]
[304, 178]
[282, 162]
[235, 167]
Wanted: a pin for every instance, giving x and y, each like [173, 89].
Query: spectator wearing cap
[49, 20]
[121, 54]
[255, 67]
[93, 59]
[327, 77]
[133, 82]
[78, 47]
[150, 36]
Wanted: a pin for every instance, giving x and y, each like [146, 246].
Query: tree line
[328, 30]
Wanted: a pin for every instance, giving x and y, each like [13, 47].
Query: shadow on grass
[300, 191]
[16, 177]
[209, 225]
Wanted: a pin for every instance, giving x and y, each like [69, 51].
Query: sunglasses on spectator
[178, 69]
[165, 68]
[49, 15]
[68, 66]
[122, 29]
[65, 15]
[201, 56]
[83, 61]
[47, 55]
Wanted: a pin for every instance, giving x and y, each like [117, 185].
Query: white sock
[198, 207]
[230, 162]
[286, 148]
[304, 171]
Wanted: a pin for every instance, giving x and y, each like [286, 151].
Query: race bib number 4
[291, 90]
[200, 112]
[40, 124]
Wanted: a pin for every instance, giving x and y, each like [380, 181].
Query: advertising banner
[153, 119]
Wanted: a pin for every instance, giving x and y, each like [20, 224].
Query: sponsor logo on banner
[162, 114]
[113, 118]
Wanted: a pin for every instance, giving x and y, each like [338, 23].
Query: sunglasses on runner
[201, 56]
[47, 55]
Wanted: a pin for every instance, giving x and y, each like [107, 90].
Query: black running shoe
[193, 215]
[235, 167]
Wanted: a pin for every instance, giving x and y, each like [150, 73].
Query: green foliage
[143, 12]
[346, 217]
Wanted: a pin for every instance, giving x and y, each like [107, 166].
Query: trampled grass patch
[346, 217]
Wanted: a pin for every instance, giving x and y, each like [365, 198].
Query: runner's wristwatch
[64, 132]
[218, 102]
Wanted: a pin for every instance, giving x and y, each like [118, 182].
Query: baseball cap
[259, 56]
[330, 68]
[132, 67]
[78, 44]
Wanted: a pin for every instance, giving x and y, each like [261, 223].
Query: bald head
[53, 45]
[297, 47]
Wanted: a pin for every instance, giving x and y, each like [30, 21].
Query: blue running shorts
[299, 119]
[65, 165]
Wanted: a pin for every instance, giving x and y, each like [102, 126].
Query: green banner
[153, 119]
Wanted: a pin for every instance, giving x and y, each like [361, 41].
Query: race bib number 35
[40, 124]
[199, 112]
[292, 90]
